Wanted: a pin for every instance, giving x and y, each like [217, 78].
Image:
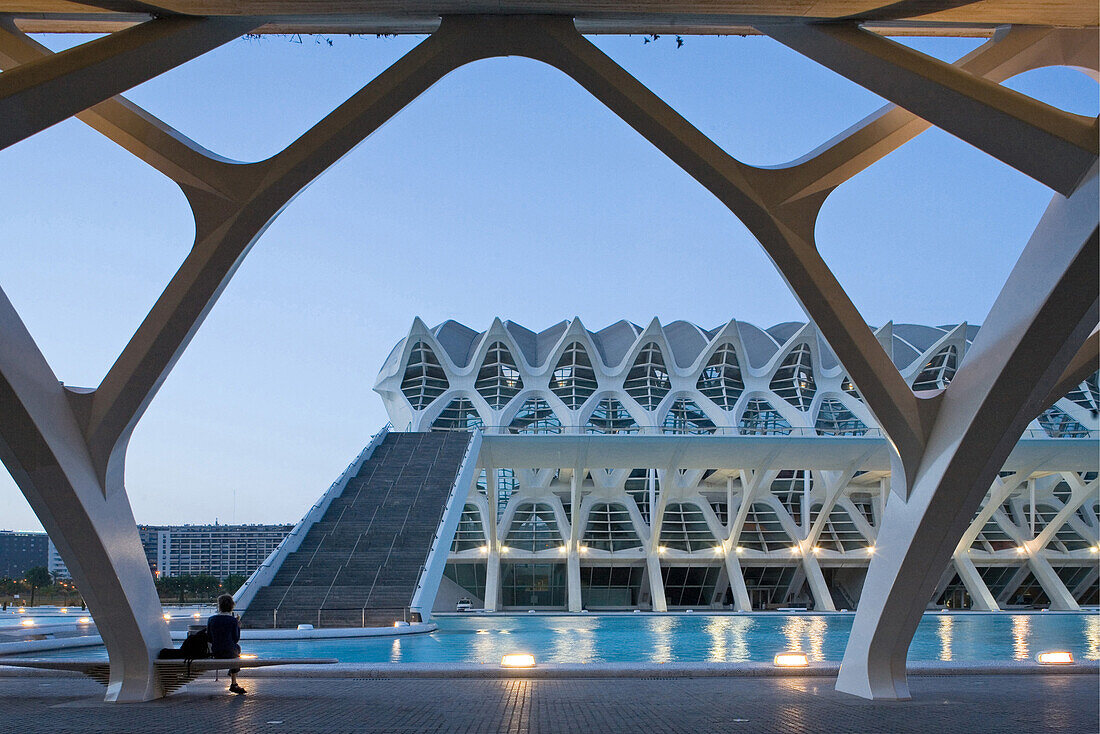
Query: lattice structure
[67, 448]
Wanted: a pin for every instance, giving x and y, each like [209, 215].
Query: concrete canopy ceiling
[910, 17]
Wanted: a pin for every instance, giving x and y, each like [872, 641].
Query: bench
[173, 674]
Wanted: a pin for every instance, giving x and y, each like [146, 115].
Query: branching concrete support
[945, 445]
[1044, 313]
[1060, 597]
[43, 92]
[981, 598]
[43, 446]
[823, 600]
[741, 600]
[1054, 147]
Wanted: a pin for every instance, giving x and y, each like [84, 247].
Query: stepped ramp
[359, 564]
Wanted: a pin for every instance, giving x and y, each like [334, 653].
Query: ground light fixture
[1055, 657]
[27, 623]
[791, 660]
[518, 660]
[84, 620]
[166, 616]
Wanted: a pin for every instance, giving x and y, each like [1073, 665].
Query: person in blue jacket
[224, 630]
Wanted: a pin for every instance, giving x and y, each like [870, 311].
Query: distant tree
[233, 582]
[36, 578]
[204, 585]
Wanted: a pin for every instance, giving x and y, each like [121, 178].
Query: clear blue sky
[505, 190]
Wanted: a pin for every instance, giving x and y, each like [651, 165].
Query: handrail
[265, 574]
[870, 432]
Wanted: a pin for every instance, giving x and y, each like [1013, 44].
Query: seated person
[224, 630]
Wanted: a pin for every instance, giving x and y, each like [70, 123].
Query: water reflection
[1092, 637]
[1021, 630]
[728, 637]
[395, 651]
[662, 639]
[575, 641]
[945, 631]
[802, 632]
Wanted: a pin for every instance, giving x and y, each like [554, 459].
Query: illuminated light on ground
[1059, 657]
[84, 620]
[791, 660]
[27, 623]
[518, 660]
[167, 617]
[248, 657]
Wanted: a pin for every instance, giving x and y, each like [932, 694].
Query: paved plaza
[972, 704]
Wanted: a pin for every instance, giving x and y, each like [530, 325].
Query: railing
[424, 595]
[793, 431]
[265, 574]
[339, 617]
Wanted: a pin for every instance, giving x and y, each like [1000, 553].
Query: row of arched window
[647, 382]
[684, 416]
[574, 381]
[609, 527]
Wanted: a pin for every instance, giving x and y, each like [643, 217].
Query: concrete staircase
[359, 564]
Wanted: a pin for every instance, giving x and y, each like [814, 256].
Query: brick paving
[970, 704]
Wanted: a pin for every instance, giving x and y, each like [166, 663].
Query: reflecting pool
[621, 638]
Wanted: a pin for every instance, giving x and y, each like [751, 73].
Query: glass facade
[683, 527]
[534, 528]
[762, 419]
[470, 576]
[939, 371]
[611, 587]
[459, 415]
[648, 382]
[535, 417]
[574, 380]
[762, 530]
[721, 379]
[833, 419]
[685, 417]
[1058, 424]
[689, 586]
[794, 380]
[424, 379]
[610, 417]
[498, 380]
[470, 533]
[610, 528]
[526, 585]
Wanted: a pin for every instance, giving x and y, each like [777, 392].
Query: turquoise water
[484, 639]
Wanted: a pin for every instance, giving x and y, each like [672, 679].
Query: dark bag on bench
[195, 647]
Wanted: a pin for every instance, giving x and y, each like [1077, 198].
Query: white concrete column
[823, 600]
[573, 560]
[492, 560]
[1060, 597]
[656, 583]
[741, 601]
[981, 598]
